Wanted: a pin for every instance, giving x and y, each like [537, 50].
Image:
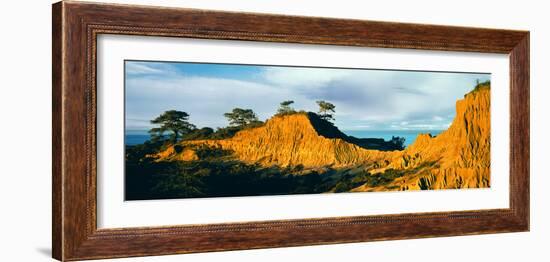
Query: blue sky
[364, 99]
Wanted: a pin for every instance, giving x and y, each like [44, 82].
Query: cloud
[407, 90]
[148, 69]
[302, 77]
[136, 68]
[364, 99]
[205, 99]
[376, 97]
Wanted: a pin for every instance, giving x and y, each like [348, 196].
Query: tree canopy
[172, 121]
[326, 110]
[285, 107]
[399, 142]
[241, 117]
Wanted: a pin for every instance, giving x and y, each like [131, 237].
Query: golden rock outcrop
[459, 157]
[291, 140]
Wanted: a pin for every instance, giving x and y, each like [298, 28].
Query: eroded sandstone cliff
[457, 158]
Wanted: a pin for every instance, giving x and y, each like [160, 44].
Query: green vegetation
[212, 176]
[225, 132]
[285, 108]
[176, 123]
[217, 173]
[480, 86]
[399, 142]
[199, 134]
[241, 117]
[350, 180]
[326, 110]
[173, 121]
[327, 129]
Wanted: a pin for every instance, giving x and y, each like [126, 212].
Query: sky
[364, 99]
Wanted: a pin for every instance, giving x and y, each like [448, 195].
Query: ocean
[134, 138]
[409, 135]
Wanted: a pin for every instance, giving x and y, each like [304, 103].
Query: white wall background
[25, 147]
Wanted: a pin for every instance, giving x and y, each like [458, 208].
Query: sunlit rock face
[457, 158]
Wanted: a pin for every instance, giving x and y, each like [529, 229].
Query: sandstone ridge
[457, 158]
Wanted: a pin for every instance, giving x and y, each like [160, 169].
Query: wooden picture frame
[76, 26]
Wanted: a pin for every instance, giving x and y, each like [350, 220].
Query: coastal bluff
[459, 157]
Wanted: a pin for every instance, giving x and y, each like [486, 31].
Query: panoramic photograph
[199, 130]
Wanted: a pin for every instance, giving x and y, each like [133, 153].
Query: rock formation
[457, 158]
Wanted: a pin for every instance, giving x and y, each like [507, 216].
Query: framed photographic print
[182, 130]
